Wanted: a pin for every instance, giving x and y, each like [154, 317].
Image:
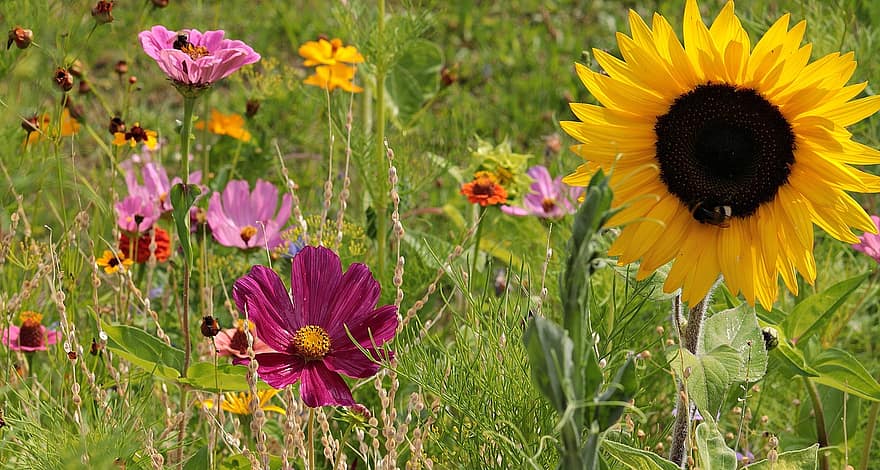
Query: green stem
[690, 340]
[818, 411]
[869, 434]
[341, 446]
[189, 104]
[477, 237]
[381, 196]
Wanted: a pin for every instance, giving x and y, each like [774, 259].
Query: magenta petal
[279, 369]
[354, 363]
[264, 296]
[314, 275]
[356, 296]
[375, 329]
[10, 337]
[323, 387]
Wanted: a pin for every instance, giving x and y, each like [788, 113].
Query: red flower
[163, 245]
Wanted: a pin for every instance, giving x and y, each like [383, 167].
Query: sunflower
[722, 154]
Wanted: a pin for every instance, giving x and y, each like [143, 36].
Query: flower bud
[251, 107]
[63, 79]
[116, 125]
[210, 327]
[76, 68]
[160, 3]
[132, 80]
[121, 67]
[102, 12]
[20, 36]
[84, 87]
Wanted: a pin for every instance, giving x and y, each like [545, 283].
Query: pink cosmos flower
[156, 187]
[243, 219]
[309, 326]
[196, 59]
[136, 214]
[31, 335]
[233, 342]
[870, 243]
[549, 198]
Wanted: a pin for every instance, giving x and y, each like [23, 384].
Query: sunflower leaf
[802, 459]
[810, 315]
[738, 328]
[709, 376]
[841, 370]
[713, 451]
[635, 459]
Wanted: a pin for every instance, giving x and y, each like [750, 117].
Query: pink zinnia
[31, 335]
[233, 342]
[196, 59]
[549, 198]
[869, 243]
[156, 187]
[136, 214]
[310, 325]
[243, 219]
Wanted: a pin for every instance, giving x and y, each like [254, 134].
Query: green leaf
[713, 451]
[710, 375]
[182, 198]
[223, 378]
[620, 390]
[803, 459]
[550, 358]
[144, 350]
[738, 328]
[413, 81]
[636, 459]
[812, 314]
[792, 359]
[240, 462]
[841, 370]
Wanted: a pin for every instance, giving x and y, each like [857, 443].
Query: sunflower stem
[819, 413]
[690, 340]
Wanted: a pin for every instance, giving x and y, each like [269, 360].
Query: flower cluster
[331, 60]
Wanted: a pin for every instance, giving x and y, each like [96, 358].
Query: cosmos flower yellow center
[248, 232]
[311, 342]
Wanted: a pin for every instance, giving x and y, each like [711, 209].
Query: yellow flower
[723, 153]
[331, 77]
[136, 135]
[324, 52]
[114, 262]
[239, 403]
[226, 124]
[38, 126]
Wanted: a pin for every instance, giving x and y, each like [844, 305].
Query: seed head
[21, 37]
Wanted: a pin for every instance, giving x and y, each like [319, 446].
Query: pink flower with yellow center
[31, 335]
[320, 328]
[244, 219]
[233, 342]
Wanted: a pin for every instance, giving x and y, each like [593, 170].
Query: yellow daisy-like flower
[136, 135]
[113, 262]
[324, 52]
[226, 124]
[331, 77]
[723, 154]
[36, 126]
[239, 403]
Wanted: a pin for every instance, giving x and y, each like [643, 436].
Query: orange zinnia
[163, 246]
[484, 190]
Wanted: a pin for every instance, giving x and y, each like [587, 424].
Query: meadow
[299, 235]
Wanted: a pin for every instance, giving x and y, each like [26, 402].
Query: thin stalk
[311, 449]
[819, 412]
[869, 434]
[690, 340]
[185, 131]
[477, 240]
[381, 197]
[341, 446]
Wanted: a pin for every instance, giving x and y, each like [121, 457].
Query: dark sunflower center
[723, 151]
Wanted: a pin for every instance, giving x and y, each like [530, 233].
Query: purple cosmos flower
[870, 243]
[136, 214]
[196, 59]
[31, 335]
[156, 185]
[310, 325]
[549, 198]
[746, 458]
[243, 219]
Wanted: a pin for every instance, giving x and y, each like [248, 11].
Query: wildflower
[869, 243]
[324, 52]
[484, 190]
[240, 403]
[117, 125]
[21, 37]
[134, 136]
[226, 124]
[509, 168]
[331, 77]
[745, 458]
[233, 342]
[37, 126]
[31, 335]
[102, 12]
[724, 155]
[136, 214]
[243, 219]
[549, 198]
[63, 79]
[121, 68]
[156, 187]
[310, 325]
[114, 262]
[142, 245]
[195, 60]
